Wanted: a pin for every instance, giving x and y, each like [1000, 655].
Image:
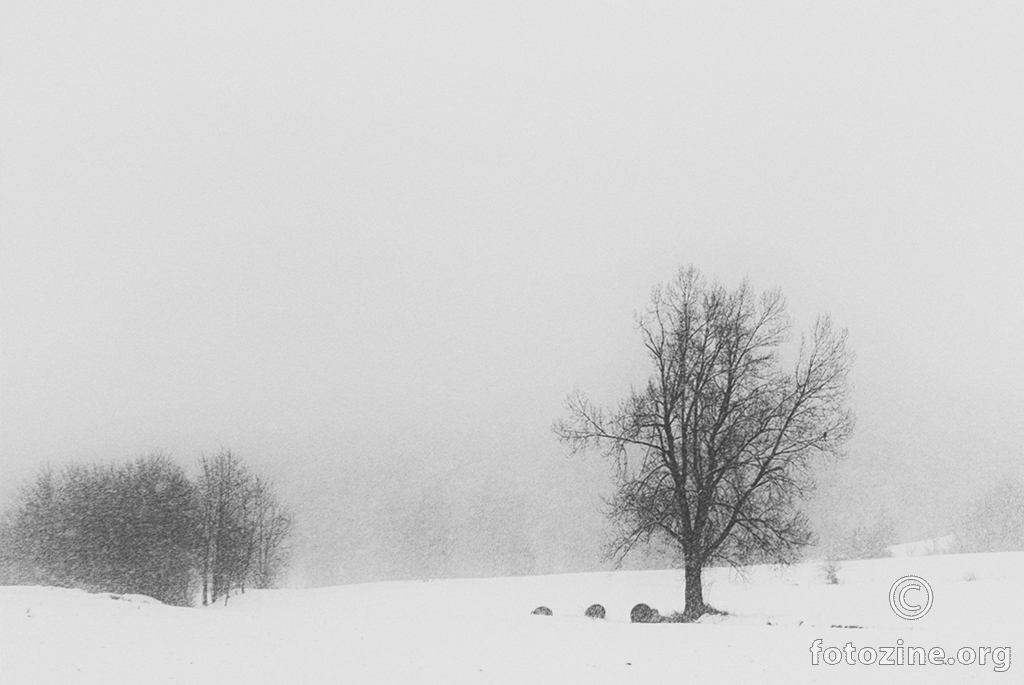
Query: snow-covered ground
[482, 631]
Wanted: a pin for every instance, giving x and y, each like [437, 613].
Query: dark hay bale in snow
[642, 613]
[595, 611]
[542, 611]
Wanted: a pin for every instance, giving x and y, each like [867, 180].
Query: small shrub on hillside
[830, 569]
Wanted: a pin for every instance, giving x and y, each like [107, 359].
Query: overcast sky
[333, 235]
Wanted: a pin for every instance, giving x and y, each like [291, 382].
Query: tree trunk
[206, 579]
[695, 607]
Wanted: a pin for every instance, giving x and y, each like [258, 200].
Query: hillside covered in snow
[482, 631]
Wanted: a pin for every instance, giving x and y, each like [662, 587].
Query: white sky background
[337, 235]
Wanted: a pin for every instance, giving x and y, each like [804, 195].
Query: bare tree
[219, 485]
[713, 452]
[243, 528]
[270, 528]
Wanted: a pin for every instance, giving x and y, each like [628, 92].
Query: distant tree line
[994, 521]
[869, 538]
[145, 527]
[401, 523]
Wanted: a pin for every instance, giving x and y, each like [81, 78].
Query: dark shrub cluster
[145, 528]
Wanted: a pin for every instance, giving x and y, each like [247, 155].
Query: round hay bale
[595, 611]
[542, 611]
[642, 613]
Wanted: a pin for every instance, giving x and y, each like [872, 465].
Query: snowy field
[482, 631]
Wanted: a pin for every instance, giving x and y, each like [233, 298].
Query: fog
[372, 246]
